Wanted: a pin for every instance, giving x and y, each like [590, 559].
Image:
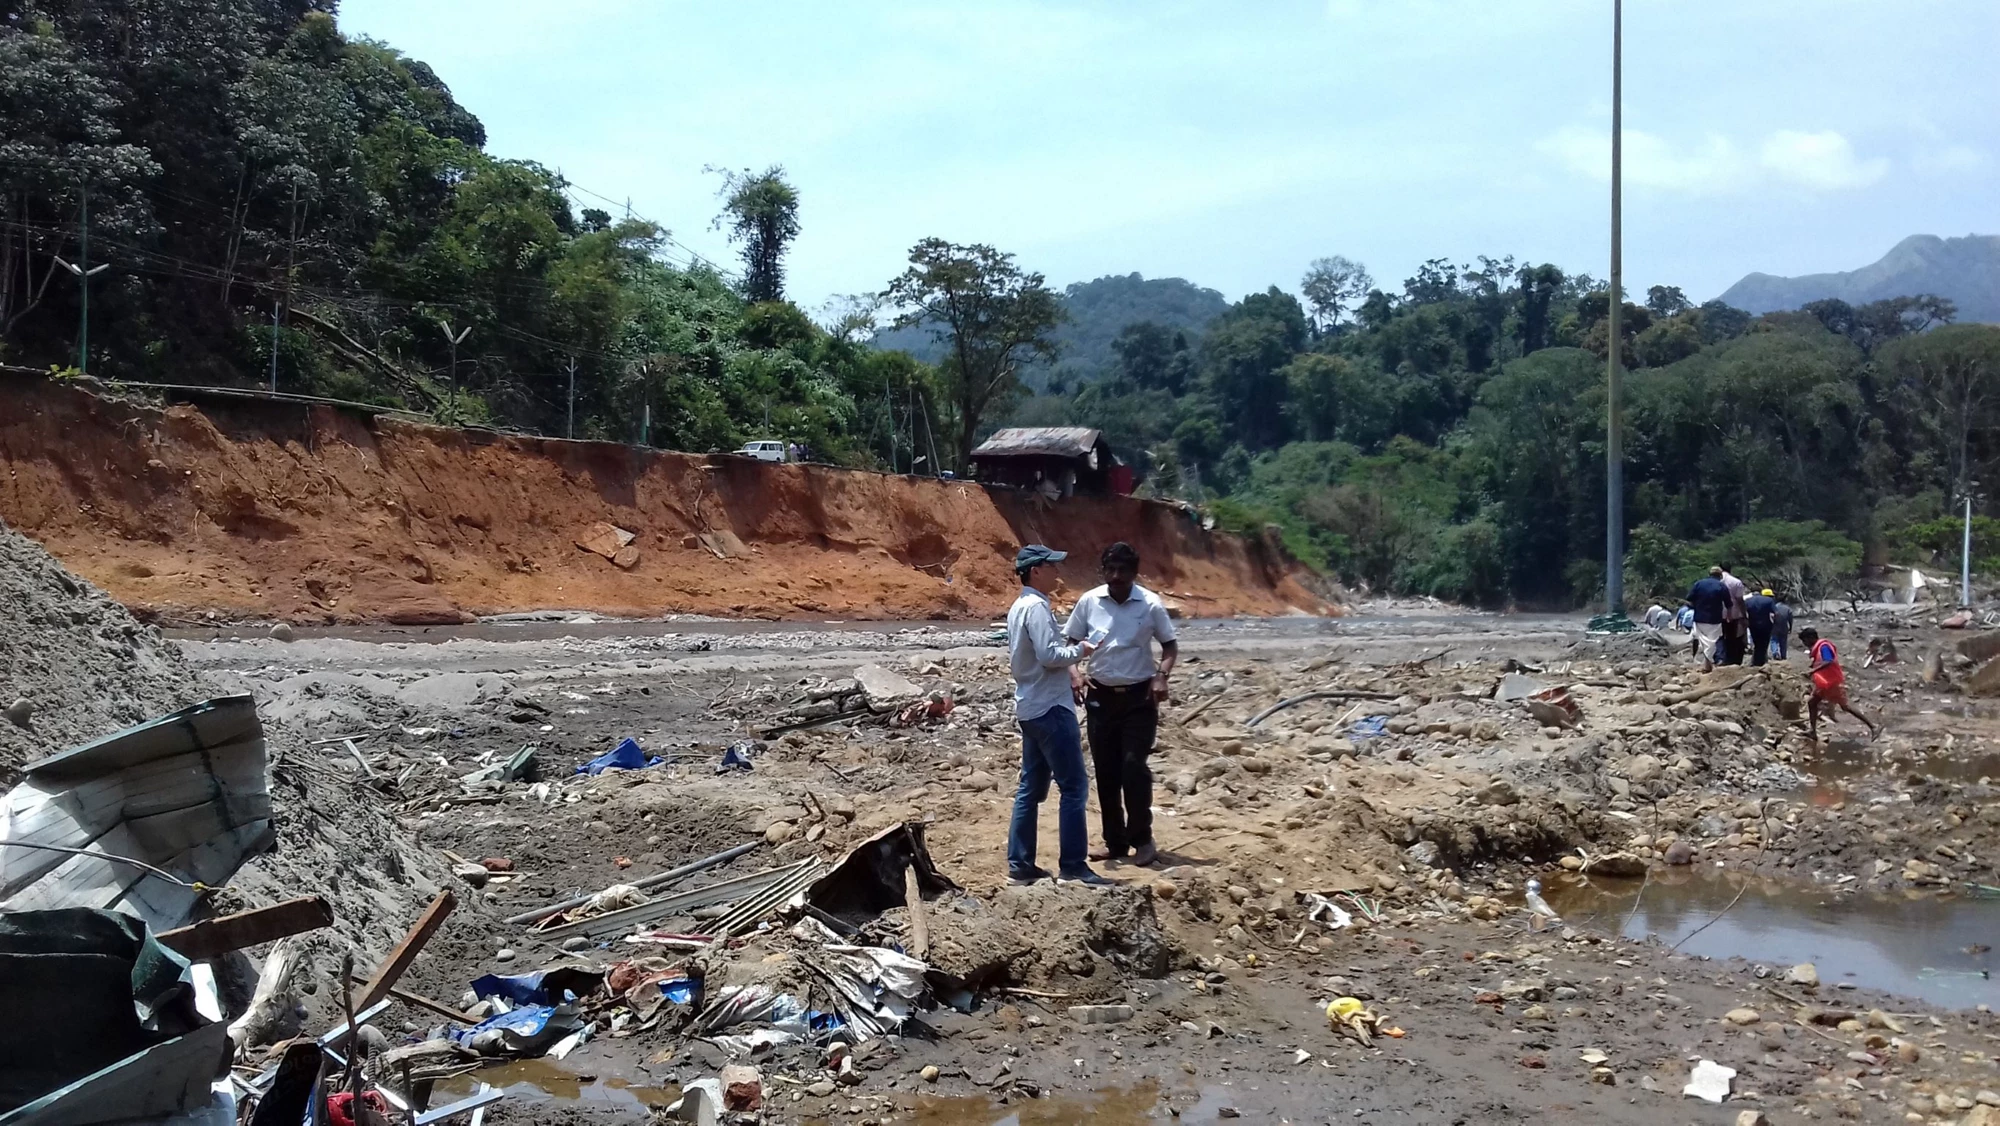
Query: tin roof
[1040, 441]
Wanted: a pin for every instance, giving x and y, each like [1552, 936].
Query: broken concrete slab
[1514, 686]
[886, 690]
[605, 539]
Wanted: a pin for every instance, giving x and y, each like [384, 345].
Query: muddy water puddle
[1845, 767]
[547, 1081]
[1915, 944]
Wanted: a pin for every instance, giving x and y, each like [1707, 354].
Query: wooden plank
[418, 1000]
[212, 937]
[407, 950]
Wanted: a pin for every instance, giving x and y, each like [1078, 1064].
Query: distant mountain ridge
[1099, 310]
[1965, 270]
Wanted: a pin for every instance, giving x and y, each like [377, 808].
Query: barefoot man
[1829, 683]
[1121, 698]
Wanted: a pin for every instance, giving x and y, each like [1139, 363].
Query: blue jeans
[1051, 748]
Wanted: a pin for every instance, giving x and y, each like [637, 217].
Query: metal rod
[723, 857]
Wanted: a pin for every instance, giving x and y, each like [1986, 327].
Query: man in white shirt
[1122, 696]
[1045, 709]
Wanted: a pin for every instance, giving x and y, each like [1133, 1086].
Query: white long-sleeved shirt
[1125, 633]
[1038, 656]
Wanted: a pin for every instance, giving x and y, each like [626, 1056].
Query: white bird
[1538, 908]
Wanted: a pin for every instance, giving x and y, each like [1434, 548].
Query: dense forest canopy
[271, 200]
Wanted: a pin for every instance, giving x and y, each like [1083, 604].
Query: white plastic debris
[1710, 1081]
[1337, 919]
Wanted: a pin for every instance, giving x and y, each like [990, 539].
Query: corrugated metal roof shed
[1040, 441]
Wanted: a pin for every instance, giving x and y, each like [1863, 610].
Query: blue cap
[1034, 554]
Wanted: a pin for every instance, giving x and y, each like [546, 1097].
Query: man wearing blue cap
[1045, 707]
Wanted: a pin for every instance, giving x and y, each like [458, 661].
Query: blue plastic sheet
[1370, 726]
[543, 987]
[627, 755]
[527, 1031]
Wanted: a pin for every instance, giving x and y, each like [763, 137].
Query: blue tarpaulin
[543, 987]
[627, 755]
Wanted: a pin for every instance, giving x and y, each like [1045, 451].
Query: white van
[763, 451]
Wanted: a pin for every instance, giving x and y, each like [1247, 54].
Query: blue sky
[1231, 144]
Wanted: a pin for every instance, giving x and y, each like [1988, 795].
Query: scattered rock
[780, 832]
[1680, 853]
[742, 1088]
[21, 711]
[1497, 792]
[471, 873]
[1805, 973]
[1100, 1014]
[1751, 1118]
[930, 1073]
[504, 955]
[1743, 1016]
[283, 631]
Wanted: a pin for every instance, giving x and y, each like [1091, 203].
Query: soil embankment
[317, 514]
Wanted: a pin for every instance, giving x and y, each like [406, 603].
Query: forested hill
[239, 161]
[267, 200]
[1965, 271]
[1096, 312]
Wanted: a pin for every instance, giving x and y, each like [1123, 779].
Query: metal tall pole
[452, 393]
[1614, 445]
[570, 430]
[274, 343]
[83, 271]
[1965, 556]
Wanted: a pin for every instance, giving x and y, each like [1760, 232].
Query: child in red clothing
[1829, 684]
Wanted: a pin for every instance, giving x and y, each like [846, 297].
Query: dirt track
[1497, 1018]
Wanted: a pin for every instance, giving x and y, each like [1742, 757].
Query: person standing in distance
[1761, 611]
[1045, 708]
[1121, 698]
[1710, 599]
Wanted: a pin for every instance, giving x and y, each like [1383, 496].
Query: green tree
[993, 318]
[1332, 286]
[761, 211]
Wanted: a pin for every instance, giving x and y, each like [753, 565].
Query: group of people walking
[1726, 621]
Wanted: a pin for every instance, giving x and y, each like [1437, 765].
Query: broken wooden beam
[211, 938]
[420, 1001]
[398, 962]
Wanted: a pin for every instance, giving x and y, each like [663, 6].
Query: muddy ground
[1434, 824]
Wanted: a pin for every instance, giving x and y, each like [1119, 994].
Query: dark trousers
[1732, 642]
[1121, 722]
[1760, 644]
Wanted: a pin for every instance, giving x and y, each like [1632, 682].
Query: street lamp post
[452, 384]
[83, 272]
[1614, 452]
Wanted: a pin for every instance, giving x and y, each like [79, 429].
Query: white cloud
[1951, 158]
[1712, 167]
[1716, 165]
[1823, 161]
